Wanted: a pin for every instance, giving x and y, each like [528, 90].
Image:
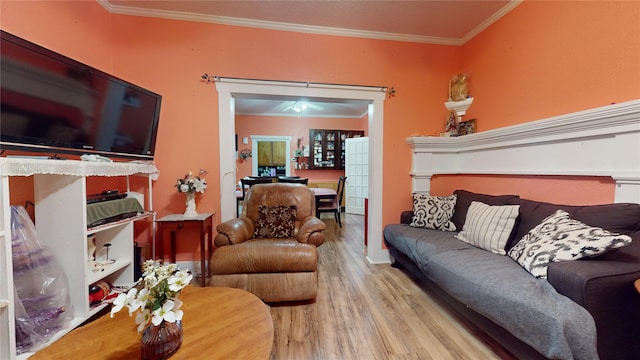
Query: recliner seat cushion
[273, 287]
[265, 256]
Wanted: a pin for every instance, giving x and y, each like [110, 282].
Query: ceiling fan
[299, 106]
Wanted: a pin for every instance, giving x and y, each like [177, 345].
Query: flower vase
[191, 205]
[161, 341]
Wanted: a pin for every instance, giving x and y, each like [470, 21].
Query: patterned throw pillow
[433, 212]
[558, 238]
[488, 227]
[275, 221]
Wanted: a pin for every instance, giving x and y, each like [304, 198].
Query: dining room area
[329, 195]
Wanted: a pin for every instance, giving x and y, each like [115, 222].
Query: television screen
[53, 104]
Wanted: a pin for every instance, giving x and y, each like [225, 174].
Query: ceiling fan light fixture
[299, 106]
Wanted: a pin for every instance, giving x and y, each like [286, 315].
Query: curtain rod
[306, 84]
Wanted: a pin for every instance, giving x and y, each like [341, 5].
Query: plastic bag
[41, 288]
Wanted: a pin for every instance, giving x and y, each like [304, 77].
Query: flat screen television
[53, 104]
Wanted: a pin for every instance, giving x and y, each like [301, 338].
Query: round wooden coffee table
[218, 323]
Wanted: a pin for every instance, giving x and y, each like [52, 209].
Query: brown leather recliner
[273, 268]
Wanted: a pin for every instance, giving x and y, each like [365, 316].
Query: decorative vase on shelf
[191, 205]
[161, 341]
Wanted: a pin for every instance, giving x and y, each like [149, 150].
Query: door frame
[228, 88]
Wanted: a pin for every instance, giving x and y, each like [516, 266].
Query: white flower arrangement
[192, 184]
[158, 299]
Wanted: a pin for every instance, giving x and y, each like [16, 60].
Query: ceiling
[450, 22]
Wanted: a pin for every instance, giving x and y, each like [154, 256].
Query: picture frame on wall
[467, 127]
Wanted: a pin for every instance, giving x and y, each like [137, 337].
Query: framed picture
[467, 127]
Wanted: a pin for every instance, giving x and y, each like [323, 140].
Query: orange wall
[582, 190]
[549, 58]
[79, 30]
[297, 128]
[541, 59]
[169, 57]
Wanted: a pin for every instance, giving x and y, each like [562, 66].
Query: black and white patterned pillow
[560, 238]
[489, 227]
[433, 212]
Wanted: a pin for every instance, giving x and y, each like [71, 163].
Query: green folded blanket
[98, 212]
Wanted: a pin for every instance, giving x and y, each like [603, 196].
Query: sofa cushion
[433, 212]
[464, 199]
[529, 308]
[275, 221]
[558, 238]
[421, 244]
[489, 227]
[622, 218]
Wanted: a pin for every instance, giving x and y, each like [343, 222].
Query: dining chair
[246, 184]
[334, 204]
[293, 180]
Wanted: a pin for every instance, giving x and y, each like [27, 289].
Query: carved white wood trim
[604, 141]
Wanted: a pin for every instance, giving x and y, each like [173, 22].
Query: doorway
[228, 88]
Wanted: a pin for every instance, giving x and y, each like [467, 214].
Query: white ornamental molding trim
[604, 141]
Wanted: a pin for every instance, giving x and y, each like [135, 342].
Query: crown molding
[310, 29]
[495, 17]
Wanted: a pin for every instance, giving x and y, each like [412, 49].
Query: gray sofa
[584, 309]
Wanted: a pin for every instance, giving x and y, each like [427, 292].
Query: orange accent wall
[573, 190]
[80, 30]
[541, 59]
[546, 58]
[170, 56]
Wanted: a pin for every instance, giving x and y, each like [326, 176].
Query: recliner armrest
[311, 231]
[234, 231]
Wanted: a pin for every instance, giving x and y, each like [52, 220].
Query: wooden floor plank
[366, 311]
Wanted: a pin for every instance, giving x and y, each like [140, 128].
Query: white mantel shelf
[604, 141]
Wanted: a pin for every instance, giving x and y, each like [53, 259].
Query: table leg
[160, 255]
[203, 255]
[210, 248]
[173, 247]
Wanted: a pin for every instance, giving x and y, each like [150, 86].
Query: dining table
[321, 194]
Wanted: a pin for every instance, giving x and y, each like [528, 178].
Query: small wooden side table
[176, 222]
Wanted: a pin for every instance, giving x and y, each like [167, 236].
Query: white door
[356, 170]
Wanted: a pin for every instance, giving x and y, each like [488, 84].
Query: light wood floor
[366, 311]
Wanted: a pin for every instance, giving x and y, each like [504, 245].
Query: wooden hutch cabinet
[327, 148]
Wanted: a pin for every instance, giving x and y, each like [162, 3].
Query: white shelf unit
[7, 320]
[61, 225]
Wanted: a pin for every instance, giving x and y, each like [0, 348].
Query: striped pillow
[488, 227]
